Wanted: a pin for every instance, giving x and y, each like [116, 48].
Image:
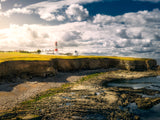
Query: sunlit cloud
[77, 12]
[16, 11]
[50, 11]
[131, 34]
[100, 36]
[3, 0]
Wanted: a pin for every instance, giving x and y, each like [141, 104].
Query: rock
[29, 117]
[123, 96]
[26, 69]
[119, 103]
[147, 103]
[136, 117]
[126, 103]
[158, 67]
[77, 118]
[66, 65]
[137, 65]
[112, 114]
[29, 69]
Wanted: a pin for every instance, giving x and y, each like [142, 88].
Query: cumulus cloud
[14, 37]
[47, 16]
[105, 35]
[140, 18]
[54, 10]
[60, 18]
[77, 12]
[16, 11]
[103, 19]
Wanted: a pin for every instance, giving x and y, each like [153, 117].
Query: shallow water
[158, 61]
[151, 114]
[148, 83]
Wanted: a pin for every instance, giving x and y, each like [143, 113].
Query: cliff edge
[28, 69]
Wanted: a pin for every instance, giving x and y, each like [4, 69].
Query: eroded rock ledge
[29, 69]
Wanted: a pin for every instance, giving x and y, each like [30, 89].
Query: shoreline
[13, 93]
[91, 88]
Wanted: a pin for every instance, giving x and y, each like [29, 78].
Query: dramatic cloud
[77, 12]
[51, 10]
[140, 18]
[138, 33]
[131, 34]
[54, 10]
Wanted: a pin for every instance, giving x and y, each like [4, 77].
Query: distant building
[47, 51]
[75, 53]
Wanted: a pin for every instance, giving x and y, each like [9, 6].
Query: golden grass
[15, 56]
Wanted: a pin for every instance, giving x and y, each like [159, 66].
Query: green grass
[48, 93]
[15, 56]
[89, 77]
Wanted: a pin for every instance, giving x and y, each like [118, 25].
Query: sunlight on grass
[15, 56]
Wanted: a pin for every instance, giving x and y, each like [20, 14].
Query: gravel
[12, 93]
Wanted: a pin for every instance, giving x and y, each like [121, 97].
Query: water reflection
[148, 83]
[151, 114]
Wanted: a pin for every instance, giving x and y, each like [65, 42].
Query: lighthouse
[56, 48]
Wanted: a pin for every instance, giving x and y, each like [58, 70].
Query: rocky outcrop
[66, 65]
[158, 67]
[25, 69]
[137, 65]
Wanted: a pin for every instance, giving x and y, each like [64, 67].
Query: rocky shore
[87, 98]
[10, 70]
[69, 89]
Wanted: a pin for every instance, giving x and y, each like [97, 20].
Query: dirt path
[13, 93]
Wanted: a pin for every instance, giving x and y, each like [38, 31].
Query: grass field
[15, 56]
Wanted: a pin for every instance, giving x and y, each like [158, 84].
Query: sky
[92, 27]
